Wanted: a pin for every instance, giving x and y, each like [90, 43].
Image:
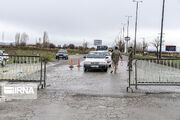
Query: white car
[108, 55]
[96, 60]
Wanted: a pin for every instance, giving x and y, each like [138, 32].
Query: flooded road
[75, 95]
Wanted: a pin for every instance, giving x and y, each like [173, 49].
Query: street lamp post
[128, 17]
[136, 22]
[162, 25]
[123, 30]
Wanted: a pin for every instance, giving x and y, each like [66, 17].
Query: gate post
[136, 75]
[129, 87]
[41, 73]
[45, 73]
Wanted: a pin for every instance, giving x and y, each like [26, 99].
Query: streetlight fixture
[136, 22]
[162, 25]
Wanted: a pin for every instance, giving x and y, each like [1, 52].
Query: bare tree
[59, 46]
[64, 46]
[51, 45]
[17, 39]
[145, 46]
[120, 45]
[71, 46]
[24, 39]
[39, 40]
[130, 44]
[139, 47]
[156, 44]
[80, 47]
[85, 45]
[45, 39]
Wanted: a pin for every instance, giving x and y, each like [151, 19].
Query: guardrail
[154, 72]
[18, 68]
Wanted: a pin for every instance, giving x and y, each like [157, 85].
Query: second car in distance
[62, 54]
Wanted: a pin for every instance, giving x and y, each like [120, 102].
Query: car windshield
[62, 51]
[96, 55]
[107, 54]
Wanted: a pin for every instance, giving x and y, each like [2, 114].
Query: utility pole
[128, 17]
[162, 25]
[136, 22]
[123, 30]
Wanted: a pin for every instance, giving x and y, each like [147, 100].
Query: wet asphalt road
[75, 95]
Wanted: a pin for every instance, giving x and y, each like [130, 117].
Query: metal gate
[17, 68]
[154, 72]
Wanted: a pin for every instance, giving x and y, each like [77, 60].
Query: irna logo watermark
[20, 91]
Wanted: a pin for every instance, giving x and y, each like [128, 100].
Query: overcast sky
[73, 21]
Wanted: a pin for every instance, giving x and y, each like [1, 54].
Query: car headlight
[108, 61]
[87, 62]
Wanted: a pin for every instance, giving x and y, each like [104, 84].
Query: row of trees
[72, 46]
[21, 40]
[140, 46]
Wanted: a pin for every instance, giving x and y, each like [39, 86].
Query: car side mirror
[84, 57]
[107, 57]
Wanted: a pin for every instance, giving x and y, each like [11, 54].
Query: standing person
[130, 58]
[115, 59]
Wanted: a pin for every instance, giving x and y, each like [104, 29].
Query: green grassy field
[141, 56]
[49, 54]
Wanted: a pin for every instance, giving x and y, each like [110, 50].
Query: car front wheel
[85, 69]
[105, 70]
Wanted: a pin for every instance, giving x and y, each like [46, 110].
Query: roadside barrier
[71, 63]
[20, 68]
[154, 72]
[79, 63]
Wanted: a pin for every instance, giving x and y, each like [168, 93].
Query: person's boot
[115, 71]
[129, 70]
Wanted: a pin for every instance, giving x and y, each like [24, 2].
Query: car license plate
[95, 66]
[94, 63]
